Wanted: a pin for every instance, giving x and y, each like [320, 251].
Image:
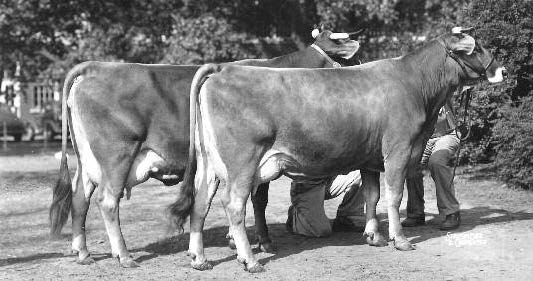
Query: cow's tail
[62, 197]
[182, 207]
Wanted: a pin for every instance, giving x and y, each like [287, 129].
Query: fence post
[45, 134]
[4, 133]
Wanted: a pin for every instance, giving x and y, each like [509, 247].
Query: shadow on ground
[290, 244]
[470, 218]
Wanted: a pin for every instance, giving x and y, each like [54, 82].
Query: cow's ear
[464, 43]
[354, 48]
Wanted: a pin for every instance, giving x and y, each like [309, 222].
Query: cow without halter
[255, 124]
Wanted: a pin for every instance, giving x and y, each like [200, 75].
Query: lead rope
[321, 52]
[466, 98]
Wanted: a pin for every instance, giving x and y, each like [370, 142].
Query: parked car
[14, 126]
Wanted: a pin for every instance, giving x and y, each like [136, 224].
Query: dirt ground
[493, 242]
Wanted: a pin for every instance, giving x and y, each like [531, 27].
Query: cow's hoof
[256, 268]
[205, 265]
[376, 240]
[252, 268]
[267, 247]
[231, 244]
[85, 261]
[403, 245]
[241, 260]
[128, 262]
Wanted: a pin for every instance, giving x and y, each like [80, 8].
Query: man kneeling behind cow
[374, 117]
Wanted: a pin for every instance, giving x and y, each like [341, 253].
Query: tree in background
[503, 114]
[48, 37]
[206, 38]
[217, 31]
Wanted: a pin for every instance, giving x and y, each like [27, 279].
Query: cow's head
[476, 62]
[336, 45]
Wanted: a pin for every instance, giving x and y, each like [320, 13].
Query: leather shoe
[344, 223]
[416, 221]
[451, 222]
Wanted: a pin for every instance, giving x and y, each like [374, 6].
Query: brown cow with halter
[251, 125]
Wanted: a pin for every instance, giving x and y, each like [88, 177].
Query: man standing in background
[438, 157]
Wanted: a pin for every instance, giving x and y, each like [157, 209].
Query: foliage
[48, 37]
[514, 143]
[206, 39]
[500, 113]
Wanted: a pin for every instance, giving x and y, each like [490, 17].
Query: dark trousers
[438, 157]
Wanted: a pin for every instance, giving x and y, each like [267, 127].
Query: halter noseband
[465, 64]
[322, 53]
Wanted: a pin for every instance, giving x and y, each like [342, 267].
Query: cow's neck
[308, 58]
[438, 73]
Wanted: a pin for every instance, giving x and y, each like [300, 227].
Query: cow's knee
[236, 213]
[394, 200]
[107, 201]
[395, 204]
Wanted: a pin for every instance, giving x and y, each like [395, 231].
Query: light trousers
[306, 214]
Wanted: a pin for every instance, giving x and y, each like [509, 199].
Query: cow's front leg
[371, 191]
[395, 171]
[108, 203]
[205, 191]
[260, 201]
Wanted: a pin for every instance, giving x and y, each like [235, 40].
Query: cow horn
[315, 33]
[468, 29]
[459, 30]
[355, 34]
[336, 36]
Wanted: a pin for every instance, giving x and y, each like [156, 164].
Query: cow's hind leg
[80, 205]
[234, 200]
[108, 199]
[371, 191]
[229, 236]
[260, 201]
[110, 191]
[206, 186]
